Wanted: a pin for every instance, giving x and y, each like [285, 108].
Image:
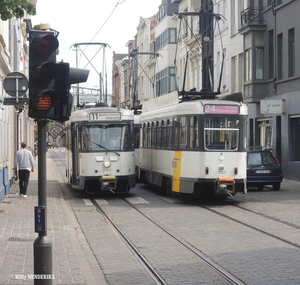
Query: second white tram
[100, 152]
[194, 147]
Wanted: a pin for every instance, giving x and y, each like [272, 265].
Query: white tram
[194, 147]
[100, 150]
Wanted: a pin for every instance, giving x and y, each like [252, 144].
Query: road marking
[171, 199]
[87, 202]
[101, 202]
[136, 200]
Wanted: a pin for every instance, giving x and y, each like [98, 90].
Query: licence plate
[263, 171]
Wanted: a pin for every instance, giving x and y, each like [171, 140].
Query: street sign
[15, 84]
[15, 101]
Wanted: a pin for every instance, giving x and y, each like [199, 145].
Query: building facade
[270, 31]
[253, 49]
[15, 125]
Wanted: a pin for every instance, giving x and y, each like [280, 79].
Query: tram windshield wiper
[100, 145]
[105, 148]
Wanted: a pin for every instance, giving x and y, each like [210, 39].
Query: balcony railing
[252, 15]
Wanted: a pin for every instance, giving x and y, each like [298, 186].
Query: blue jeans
[24, 175]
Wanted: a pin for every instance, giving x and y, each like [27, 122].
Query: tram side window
[163, 134]
[136, 136]
[148, 135]
[158, 134]
[194, 140]
[175, 133]
[183, 132]
[153, 135]
[169, 134]
[144, 137]
[141, 135]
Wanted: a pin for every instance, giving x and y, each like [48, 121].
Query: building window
[165, 81]
[266, 134]
[259, 40]
[248, 58]
[169, 36]
[280, 56]
[271, 54]
[172, 35]
[291, 53]
[259, 63]
[248, 65]
[295, 138]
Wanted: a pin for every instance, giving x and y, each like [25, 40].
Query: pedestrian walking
[24, 163]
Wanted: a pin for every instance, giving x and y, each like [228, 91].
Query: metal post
[42, 246]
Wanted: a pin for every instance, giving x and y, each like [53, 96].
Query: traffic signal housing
[50, 81]
[42, 71]
[62, 108]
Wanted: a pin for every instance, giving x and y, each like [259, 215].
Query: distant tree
[15, 8]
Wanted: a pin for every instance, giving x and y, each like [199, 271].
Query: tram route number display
[104, 116]
[221, 109]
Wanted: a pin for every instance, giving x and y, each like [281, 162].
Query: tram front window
[221, 133]
[103, 137]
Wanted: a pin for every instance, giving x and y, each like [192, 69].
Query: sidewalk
[72, 260]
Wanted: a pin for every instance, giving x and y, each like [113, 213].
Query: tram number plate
[105, 116]
[262, 171]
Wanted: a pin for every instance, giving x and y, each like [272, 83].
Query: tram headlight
[106, 164]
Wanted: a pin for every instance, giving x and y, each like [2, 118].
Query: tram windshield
[221, 133]
[105, 137]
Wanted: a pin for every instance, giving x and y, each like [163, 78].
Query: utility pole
[206, 30]
[133, 54]
[206, 17]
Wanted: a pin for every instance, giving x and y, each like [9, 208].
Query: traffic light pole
[42, 245]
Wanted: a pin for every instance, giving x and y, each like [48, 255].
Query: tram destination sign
[105, 116]
[221, 109]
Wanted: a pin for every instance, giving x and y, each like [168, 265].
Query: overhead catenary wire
[118, 3]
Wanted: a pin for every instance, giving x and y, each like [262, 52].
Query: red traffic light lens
[44, 102]
[43, 47]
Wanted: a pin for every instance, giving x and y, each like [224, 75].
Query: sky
[112, 22]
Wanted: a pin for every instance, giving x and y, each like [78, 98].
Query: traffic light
[63, 80]
[42, 71]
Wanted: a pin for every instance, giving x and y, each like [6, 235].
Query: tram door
[75, 155]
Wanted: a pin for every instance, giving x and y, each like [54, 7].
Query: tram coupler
[108, 183]
[225, 185]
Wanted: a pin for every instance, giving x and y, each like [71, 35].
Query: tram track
[129, 234]
[253, 225]
[155, 275]
[269, 217]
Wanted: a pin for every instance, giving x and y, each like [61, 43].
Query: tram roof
[83, 114]
[170, 102]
